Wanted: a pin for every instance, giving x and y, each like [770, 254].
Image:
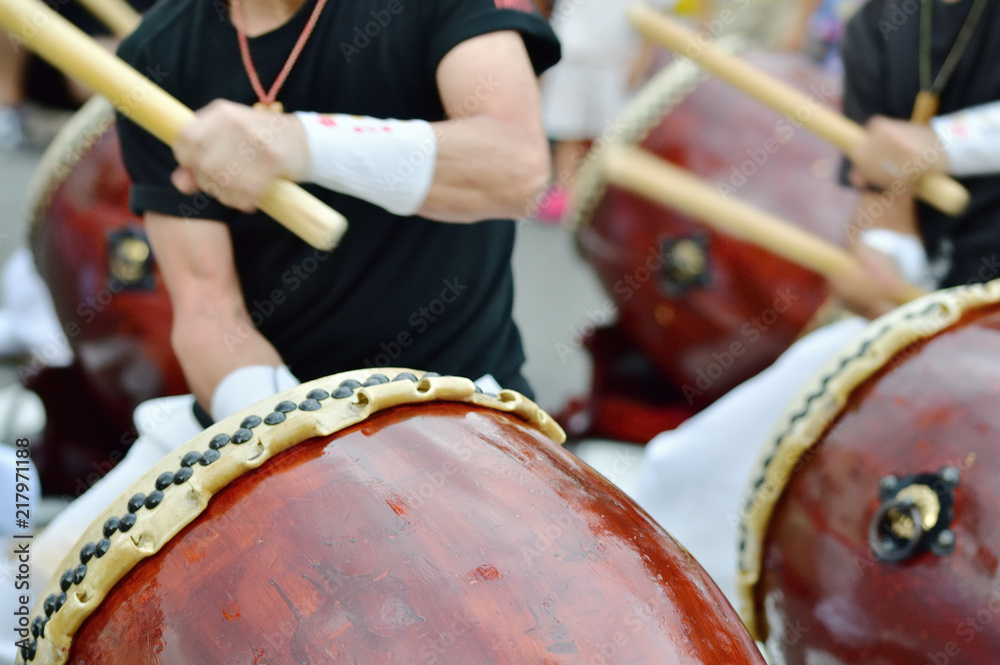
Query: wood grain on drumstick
[117, 15]
[67, 48]
[942, 192]
[674, 187]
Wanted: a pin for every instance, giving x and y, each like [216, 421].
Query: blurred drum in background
[92, 253]
[374, 516]
[709, 310]
[869, 535]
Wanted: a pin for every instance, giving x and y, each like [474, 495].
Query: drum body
[872, 536]
[93, 255]
[709, 310]
[436, 524]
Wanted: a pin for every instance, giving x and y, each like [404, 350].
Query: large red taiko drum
[93, 255]
[869, 534]
[360, 519]
[707, 309]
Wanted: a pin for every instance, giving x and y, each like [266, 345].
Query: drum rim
[318, 408]
[69, 146]
[820, 402]
[664, 92]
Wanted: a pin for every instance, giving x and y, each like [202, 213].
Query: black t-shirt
[397, 291]
[882, 77]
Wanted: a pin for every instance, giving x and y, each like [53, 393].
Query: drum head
[380, 520]
[867, 522]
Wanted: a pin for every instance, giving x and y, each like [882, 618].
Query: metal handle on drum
[942, 192]
[67, 48]
[896, 530]
[915, 516]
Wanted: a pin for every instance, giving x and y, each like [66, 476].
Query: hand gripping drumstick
[67, 48]
[674, 187]
[117, 15]
[942, 192]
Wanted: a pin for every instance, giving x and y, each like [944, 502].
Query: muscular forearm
[460, 170]
[211, 343]
[485, 169]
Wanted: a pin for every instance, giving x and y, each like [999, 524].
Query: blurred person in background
[604, 60]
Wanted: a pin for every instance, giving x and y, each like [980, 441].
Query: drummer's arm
[212, 334]
[488, 160]
[882, 220]
[883, 237]
[492, 153]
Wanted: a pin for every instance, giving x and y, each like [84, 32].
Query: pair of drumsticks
[665, 183]
[70, 50]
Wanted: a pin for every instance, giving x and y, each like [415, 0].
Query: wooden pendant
[925, 107]
[273, 107]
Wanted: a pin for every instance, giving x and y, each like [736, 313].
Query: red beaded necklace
[267, 99]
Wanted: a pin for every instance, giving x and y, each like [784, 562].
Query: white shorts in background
[580, 99]
[694, 477]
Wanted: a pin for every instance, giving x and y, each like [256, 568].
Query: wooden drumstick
[939, 190]
[117, 15]
[661, 181]
[67, 48]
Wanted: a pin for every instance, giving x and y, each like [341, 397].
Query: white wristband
[971, 139]
[248, 385]
[905, 249]
[386, 162]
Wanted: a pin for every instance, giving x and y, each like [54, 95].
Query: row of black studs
[807, 408]
[150, 501]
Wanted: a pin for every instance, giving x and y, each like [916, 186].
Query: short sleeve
[864, 53]
[149, 163]
[455, 21]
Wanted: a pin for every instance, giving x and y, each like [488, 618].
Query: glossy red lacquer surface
[120, 335]
[711, 338]
[428, 534]
[826, 599]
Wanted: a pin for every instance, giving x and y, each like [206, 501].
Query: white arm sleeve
[906, 250]
[971, 138]
[386, 162]
[248, 385]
